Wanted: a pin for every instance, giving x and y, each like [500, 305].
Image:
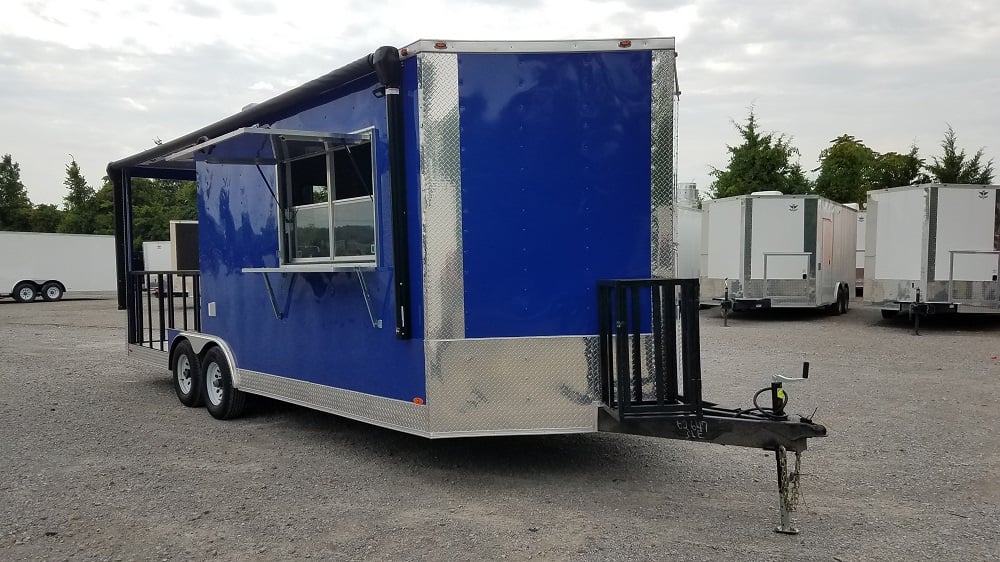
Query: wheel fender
[837, 289]
[201, 343]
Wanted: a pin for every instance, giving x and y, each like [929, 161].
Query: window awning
[257, 145]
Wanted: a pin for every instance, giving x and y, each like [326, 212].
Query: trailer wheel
[25, 292]
[187, 375]
[845, 301]
[52, 291]
[222, 400]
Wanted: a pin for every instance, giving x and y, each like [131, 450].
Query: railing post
[621, 349]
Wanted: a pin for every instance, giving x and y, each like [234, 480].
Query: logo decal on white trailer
[984, 194]
[793, 207]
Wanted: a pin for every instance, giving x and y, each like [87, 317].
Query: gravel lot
[99, 460]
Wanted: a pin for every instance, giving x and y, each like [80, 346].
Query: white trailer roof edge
[783, 195]
[539, 46]
[935, 184]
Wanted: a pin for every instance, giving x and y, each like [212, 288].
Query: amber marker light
[624, 43]
[418, 401]
[440, 45]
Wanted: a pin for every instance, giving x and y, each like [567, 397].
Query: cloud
[78, 74]
[134, 104]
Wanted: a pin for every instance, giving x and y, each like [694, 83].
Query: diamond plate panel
[501, 386]
[394, 414]
[663, 245]
[441, 196]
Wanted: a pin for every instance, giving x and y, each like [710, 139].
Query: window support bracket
[376, 323]
[270, 296]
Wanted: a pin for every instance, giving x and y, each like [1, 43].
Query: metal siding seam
[809, 231]
[663, 246]
[932, 215]
[747, 240]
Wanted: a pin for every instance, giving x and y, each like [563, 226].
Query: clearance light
[402, 52]
[418, 401]
[440, 45]
[624, 43]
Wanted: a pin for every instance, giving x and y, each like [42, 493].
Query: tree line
[86, 210]
[847, 170]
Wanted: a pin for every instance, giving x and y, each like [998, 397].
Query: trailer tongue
[651, 382]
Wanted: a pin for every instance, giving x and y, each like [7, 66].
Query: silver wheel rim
[52, 292]
[183, 371]
[26, 293]
[213, 379]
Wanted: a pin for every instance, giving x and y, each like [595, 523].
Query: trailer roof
[154, 162]
[553, 46]
[779, 196]
[936, 184]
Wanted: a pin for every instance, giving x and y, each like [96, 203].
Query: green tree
[954, 167]
[845, 170]
[78, 201]
[15, 206]
[893, 169]
[761, 162]
[46, 218]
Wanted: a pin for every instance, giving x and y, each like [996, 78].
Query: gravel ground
[99, 460]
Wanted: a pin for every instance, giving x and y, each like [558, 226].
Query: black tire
[186, 375]
[52, 291]
[889, 314]
[25, 292]
[845, 301]
[222, 400]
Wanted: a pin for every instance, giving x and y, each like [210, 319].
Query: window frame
[286, 212]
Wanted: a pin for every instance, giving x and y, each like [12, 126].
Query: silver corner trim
[441, 196]
[663, 246]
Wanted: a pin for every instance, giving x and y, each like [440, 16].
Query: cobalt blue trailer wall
[325, 334]
[555, 186]
[544, 168]
[533, 170]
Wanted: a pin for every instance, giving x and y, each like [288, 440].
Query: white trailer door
[825, 277]
[966, 224]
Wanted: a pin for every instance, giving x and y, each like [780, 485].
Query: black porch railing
[159, 301]
[656, 373]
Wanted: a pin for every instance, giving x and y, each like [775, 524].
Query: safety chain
[788, 486]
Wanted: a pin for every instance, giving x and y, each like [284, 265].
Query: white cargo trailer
[859, 253]
[688, 264]
[48, 265]
[933, 249]
[157, 255]
[770, 250]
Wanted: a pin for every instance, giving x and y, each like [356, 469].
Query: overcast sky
[101, 79]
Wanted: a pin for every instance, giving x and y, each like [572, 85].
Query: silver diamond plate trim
[887, 292]
[663, 247]
[500, 386]
[376, 410]
[441, 196]
[149, 356]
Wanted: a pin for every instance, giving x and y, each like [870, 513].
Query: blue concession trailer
[456, 238]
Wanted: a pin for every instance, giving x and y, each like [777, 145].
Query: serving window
[328, 202]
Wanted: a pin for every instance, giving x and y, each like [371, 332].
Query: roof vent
[772, 192]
